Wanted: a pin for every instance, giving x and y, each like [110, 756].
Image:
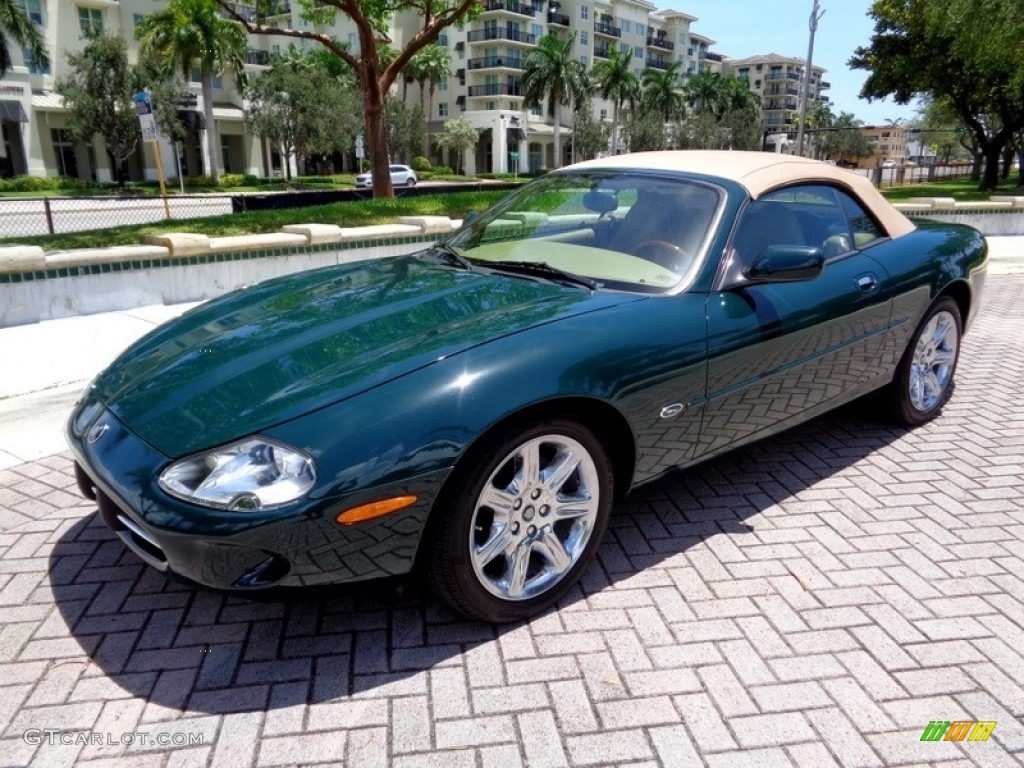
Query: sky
[748, 27]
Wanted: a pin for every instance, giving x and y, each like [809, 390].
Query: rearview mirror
[785, 264]
[599, 202]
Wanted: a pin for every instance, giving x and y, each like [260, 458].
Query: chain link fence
[25, 217]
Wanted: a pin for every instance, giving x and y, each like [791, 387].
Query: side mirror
[785, 264]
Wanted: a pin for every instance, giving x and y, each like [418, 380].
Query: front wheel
[524, 517]
[924, 377]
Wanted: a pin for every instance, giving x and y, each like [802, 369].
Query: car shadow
[190, 649]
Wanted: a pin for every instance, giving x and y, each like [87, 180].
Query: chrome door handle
[867, 283]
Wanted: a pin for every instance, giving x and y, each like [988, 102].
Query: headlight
[251, 474]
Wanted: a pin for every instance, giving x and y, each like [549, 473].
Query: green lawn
[964, 190]
[349, 214]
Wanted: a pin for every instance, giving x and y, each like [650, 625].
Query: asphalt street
[813, 600]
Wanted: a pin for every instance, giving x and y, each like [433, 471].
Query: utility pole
[812, 25]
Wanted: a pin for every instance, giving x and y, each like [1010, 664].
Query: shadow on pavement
[191, 649]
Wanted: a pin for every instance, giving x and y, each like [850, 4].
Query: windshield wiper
[451, 255]
[544, 270]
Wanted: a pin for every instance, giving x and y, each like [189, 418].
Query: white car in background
[401, 176]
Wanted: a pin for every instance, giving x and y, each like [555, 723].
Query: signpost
[514, 156]
[147, 122]
[360, 151]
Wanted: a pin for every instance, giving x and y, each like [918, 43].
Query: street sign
[360, 147]
[514, 155]
[144, 108]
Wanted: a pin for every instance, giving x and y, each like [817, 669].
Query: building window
[64, 151]
[196, 77]
[442, 84]
[90, 21]
[604, 114]
[31, 65]
[442, 109]
[625, 27]
[625, 48]
[584, 12]
[585, 61]
[584, 38]
[638, 52]
[32, 9]
[137, 19]
[442, 40]
[537, 31]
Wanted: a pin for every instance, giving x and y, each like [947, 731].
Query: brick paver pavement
[813, 600]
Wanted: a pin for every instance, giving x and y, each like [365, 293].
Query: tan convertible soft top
[761, 172]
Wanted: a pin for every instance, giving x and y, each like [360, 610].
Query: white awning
[227, 112]
[48, 101]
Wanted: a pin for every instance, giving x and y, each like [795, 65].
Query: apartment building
[487, 66]
[33, 117]
[888, 145]
[778, 80]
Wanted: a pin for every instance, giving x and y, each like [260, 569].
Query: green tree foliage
[430, 66]
[661, 93]
[301, 108]
[99, 93]
[645, 131]
[724, 114]
[847, 140]
[407, 130]
[14, 24]
[459, 135]
[552, 74]
[190, 33]
[615, 81]
[375, 73]
[589, 136]
[942, 48]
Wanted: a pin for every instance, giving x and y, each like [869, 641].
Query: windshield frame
[471, 234]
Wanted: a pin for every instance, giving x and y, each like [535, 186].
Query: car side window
[864, 228]
[806, 214]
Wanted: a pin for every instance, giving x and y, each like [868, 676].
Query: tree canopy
[939, 48]
[551, 74]
[375, 72]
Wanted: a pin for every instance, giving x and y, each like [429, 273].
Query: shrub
[202, 180]
[420, 164]
[232, 180]
[31, 184]
[442, 170]
[249, 180]
[314, 179]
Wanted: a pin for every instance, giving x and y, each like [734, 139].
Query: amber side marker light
[375, 509]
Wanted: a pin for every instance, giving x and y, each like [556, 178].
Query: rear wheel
[524, 517]
[924, 377]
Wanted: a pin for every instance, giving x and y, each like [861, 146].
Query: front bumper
[298, 545]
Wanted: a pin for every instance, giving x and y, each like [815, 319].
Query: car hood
[256, 357]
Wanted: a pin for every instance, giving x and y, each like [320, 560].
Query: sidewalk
[46, 364]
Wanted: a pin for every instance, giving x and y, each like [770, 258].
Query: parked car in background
[473, 409]
[401, 176]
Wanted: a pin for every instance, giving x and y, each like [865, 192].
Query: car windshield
[625, 231]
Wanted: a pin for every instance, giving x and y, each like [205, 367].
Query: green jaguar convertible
[473, 410]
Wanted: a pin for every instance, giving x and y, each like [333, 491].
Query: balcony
[792, 91]
[661, 42]
[514, 35]
[245, 10]
[496, 62]
[825, 84]
[257, 58]
[559, 19]
[604, 28]
[657, 64]
[603, 51]
[494, 89]
[508, 6]
[711, 56]
[280, 8]
[783, 76]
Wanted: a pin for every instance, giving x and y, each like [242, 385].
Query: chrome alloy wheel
[931, 369]
[533, 518]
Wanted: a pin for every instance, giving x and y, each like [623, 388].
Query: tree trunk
[206, 82]
[426, 133]
[376, 135]
[990, 180]
[1007, 160]
[557, 135]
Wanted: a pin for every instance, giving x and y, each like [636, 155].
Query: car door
[780, 352]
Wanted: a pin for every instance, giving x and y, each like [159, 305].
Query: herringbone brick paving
[813, 600]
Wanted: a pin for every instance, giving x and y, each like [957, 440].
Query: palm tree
[660, 93]
[550, 72]
[15, 24]
[706, 92]
[187, 33]
[431, 65]
[617, 82]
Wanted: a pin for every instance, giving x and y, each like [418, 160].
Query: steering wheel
[664, 254]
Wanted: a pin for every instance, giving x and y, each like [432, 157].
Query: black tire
[410, 182]
[457, 565]
[910, 399]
